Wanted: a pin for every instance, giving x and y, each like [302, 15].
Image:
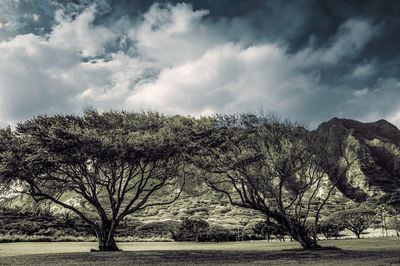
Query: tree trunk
[305, 240]
[297, 231]
[105, 236]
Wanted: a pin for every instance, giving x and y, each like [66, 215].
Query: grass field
[371, 251]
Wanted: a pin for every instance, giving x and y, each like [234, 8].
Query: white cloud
[375, 103]
[172, 35]
[178, 62]
[350, 39]
[227, 78]
[35, 17]
[347, 43]
[79, 35]
[364, 70]
[362, 92]
[37, 74]
[232, 77]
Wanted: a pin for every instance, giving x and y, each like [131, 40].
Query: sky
[306, 60]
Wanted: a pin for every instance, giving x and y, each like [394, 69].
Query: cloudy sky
[307, 60]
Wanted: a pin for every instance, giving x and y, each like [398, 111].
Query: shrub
[190, 229]
[266, 229]
[217, 234]
[330, 228]
[156, 229]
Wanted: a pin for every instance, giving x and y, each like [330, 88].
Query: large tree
[276, 167]
[102, 167]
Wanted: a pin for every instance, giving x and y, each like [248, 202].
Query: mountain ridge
[376, 172]
[369, 130]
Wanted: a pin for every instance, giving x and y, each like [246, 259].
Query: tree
[356, 220]
[274, 166]
[102, 167]
[190, 229]
[330, 228]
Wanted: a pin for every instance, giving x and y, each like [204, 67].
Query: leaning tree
[100, 166]
[274, 166]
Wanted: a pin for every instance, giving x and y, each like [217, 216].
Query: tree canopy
[274, 166]
[107, 165]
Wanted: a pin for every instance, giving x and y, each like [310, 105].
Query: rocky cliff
[376, 171]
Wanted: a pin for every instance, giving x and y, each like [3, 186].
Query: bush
[156, 229]
[222, 234]
[217, 234]
[190, 229]
[330, 228]
[28, 223]
[266, 229]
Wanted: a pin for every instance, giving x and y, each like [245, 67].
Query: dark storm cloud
[309, 60]
[295, 23]
[292, 21]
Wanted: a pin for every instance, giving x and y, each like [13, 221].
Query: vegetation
[190, 229]
[330, 228]
[109, 170]
[112, 164]
[356, 220]
[267, 229]
[394, 224]
[25, 224]
[275, 167]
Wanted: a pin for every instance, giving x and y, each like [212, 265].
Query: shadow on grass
[315, 249]
[325, 256]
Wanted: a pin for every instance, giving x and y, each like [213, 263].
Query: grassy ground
[372, 251]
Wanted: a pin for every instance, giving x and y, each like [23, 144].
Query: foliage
[110, 165]
[330, 228]
[156, 229]
[28, 223]
[218, 234]
[190, 229]
[196, 229]
[356, 220]
[273, 166]
[267, 229]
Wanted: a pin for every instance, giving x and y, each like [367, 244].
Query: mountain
[376, 172]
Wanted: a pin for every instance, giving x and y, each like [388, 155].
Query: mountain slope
[376, 172]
